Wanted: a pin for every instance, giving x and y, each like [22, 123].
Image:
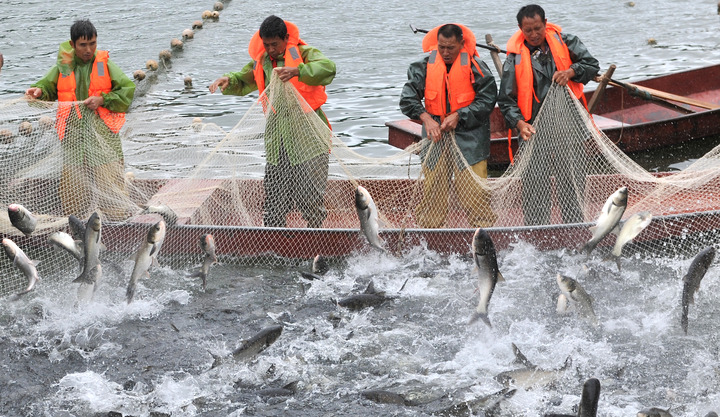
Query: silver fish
[22, 219]
[630, 229]
[165, 211]
[259, 342]
[368, 215]
[577, 297]
[691, 281]
[385, 397]
[207, 244]
[654, 412]
[91, 251]
[286, 391]
[64, 241]
[530, 376]
[77, 227]
[369, 298]
[609, 218]
[319, 268]
[486, 265]
[144, 257]
[487, 404]
[23, 263]
[589, 399]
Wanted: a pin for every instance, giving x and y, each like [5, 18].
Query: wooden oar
[672, 97]
[494, 54]
[479, 45]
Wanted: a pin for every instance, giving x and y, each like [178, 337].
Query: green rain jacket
[316, 70]
[472, 133]
[77, 149]
[584, 64]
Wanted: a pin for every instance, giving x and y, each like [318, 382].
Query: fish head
[94, 222]
[156, 232]
[482, 244]
[207, 243]
[273, 333]
[10, 247]
[620, 196]
[320, 265]
[566, 284]
[362, 198]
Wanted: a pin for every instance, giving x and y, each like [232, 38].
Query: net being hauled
[281, 166]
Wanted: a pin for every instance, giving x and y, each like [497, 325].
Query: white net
[280, 187]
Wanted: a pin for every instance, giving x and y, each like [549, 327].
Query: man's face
[85, 48]
[275, 47]
[449, 48]
[534, 30]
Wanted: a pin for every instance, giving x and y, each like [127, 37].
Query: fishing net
[279, 188]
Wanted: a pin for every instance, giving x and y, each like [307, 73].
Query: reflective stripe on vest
[100, 82]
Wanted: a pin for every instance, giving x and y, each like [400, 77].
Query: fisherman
[459, 94]
[93, 162]
[297, 165]
[539, 53]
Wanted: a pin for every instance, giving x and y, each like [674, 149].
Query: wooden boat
[210, 211]
[633, 123]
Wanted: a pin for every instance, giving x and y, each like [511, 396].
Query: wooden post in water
[494, 54]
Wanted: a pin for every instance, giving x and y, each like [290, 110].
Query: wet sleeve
[123, 90]
[478, 112]
[413, 92]
[316, 69]
[507, 96]
[48, 84]
[241, 82]
[585, 65]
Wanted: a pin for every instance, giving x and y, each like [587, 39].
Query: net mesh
[280, 186]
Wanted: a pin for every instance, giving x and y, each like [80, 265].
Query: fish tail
[482, 316]
[83, 279]
[130, 293]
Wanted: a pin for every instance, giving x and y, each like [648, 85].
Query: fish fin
[291, 386]
[520, 358]
[403, 286]
[155, 262]
[592, 229]
[102, 247]
[616, 229]
[500, 276]
[370, 288]
[130, 292]
[154, 249]
[310, 276]
[217, 360]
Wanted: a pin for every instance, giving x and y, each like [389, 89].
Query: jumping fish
[609, 218]
[144, 257]
[530, 376]
[369, 298]
[207, 244]
[630, 229]
[64, 241]
[487, 404]
[258, 343]
[22, 219]
[91, 248]
[576, 296]
[319, 268]
[166, 212]
[486, 265]
[691, 281]
[23, 263]
[368, 215]
[77, 227]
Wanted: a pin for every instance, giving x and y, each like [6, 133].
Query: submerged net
[280, 186]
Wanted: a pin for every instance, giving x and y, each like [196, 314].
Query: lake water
[154, 356]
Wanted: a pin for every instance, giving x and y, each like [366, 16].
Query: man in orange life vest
[459, 94]
[297, 161]
[538, 55]
[92, 151]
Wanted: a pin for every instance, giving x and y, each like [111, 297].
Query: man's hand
[431, 127]
[286, 73]
[525, 130]
[94, 102]
[33, 92]
[562, 77]
[221, 82]
[450, 122]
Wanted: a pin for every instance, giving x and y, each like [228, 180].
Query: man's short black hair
[451, 30]
[530, 11]
[82, 28]
[273, 27]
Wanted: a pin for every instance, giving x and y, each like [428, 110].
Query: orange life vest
[524, 71]
[455, 86]
[100, 82]
[314, 94]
